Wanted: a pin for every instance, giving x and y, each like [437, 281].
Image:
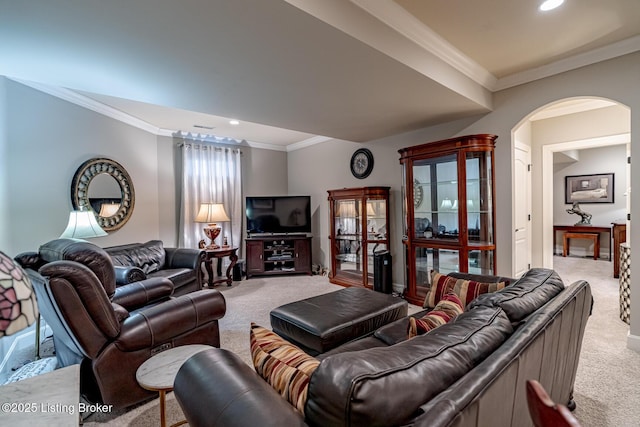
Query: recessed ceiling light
[550, 4]
[234, 122]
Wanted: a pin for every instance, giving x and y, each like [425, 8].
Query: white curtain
[210, 174]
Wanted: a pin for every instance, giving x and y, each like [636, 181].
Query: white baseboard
[397, 288]
[633, 342]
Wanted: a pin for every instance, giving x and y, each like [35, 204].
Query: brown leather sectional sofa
[138, 261]
[469, 372]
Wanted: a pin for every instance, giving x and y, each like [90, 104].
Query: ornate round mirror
[104, 186]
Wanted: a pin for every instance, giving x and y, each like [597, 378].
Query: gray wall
[43, 140]
[46, 139]
[5, 195]
[314, 169]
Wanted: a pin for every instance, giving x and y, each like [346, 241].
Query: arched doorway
[564, 126]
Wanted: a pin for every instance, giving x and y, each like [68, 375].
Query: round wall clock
[362, 163]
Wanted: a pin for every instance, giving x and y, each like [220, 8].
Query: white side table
[159, 372]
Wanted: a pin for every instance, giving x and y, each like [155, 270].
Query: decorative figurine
[585, 217]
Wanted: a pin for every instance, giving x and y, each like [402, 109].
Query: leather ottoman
[326, 321]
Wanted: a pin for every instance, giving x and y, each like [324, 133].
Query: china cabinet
[359, 227]
[449, 210]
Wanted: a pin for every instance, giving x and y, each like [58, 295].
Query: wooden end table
[159, 373]
[219, 254]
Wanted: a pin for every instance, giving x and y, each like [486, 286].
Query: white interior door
[522, 209]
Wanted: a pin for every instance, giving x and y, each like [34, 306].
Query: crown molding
[90, 104]
[105, 110]
[307, 142]
[266, 146]
[604, 53]
[396, 17]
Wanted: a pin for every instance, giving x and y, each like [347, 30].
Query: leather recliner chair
[110, 331]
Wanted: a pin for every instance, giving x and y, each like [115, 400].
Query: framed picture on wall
[597, 188]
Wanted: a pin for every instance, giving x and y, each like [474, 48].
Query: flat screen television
[278, 214]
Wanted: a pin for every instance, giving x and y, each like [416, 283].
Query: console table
[219, 254]
[581, 229]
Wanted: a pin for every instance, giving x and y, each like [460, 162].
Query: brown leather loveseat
[138, 261]
[471, 371]
[111, 331]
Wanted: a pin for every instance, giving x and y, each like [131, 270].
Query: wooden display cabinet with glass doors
[359, 227]
[449, 210]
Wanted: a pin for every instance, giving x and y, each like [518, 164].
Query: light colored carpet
[247, 301]
[607, 389]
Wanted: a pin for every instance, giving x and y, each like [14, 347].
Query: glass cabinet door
[481, 261]
[376, 214]
[442, 261]
[479, 198]
[435, 198]
[348, 228]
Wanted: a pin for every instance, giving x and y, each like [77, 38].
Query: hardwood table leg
[209, 268]
[233, 258]
[163, 414]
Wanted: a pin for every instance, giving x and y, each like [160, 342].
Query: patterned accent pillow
[284, 366]
[446, 310]
[466, 290]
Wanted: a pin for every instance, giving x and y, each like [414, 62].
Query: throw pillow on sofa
[284, 366]
[466, 290]
[446, 310]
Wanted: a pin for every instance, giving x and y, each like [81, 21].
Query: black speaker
[238, 270]
[382, 281]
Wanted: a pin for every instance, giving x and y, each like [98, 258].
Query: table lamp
[18, 306]
[82, 225]
[211, 213]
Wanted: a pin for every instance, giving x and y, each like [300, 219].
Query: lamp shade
[211, 213]
[82, 225]
[109, 209]
[18, 306]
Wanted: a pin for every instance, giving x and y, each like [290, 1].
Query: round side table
[159, 372]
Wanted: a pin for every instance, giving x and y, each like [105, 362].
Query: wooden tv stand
[278, 254]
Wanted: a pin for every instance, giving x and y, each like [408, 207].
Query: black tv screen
[278, 214]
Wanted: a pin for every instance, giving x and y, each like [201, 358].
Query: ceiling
[297, 72]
